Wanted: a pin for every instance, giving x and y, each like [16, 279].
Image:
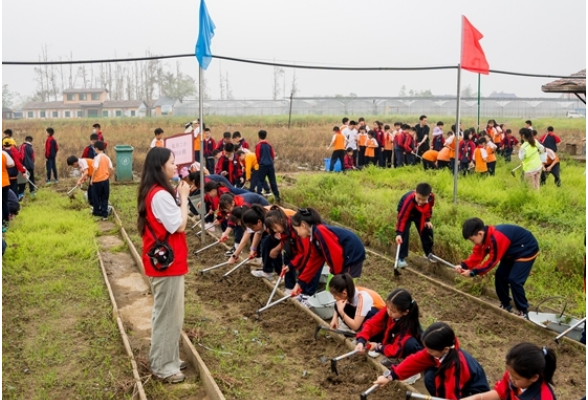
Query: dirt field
[485, 334]
[287, 361]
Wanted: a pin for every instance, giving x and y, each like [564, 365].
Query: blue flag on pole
[205, 35]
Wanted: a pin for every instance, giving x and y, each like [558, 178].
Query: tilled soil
[273, 356]
[484, 333]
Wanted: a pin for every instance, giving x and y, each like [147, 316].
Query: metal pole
[456, 136]
[202, 210]
[479, 85]
[290, 113]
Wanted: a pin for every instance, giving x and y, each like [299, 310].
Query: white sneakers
[258, 273]
[412, 379]
[402, 263]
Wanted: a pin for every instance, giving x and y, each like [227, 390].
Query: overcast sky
[535, 36]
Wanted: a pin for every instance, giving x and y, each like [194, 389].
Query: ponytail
[255, 214]
[276, 216]
[310, 216]
[528, 360]
[437, 337]
[342, 282]
[402, 300]
[527, 136]
[226, 200]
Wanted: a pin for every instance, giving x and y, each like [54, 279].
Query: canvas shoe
[48, 183]
[288, 292]
[183, 365]
[258, 273]
[209, 226]
[402, 263]
[175, 378]
[303, 299]
[373, 354]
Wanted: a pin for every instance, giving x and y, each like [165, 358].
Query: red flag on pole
[472, 55]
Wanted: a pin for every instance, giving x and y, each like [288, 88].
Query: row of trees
[134, 80]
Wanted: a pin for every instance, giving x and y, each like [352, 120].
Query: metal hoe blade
[275, 289]
[204, 271]
[432, 256]
[236, 267]
[348, 334]
[396, 272]
[207, 247]
[365, 394]
[411, 395]
[344, 356]
[273, 304]
[571, 328]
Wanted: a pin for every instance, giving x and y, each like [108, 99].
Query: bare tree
[294, 87]
[222, 82]
[278, 72]
[228, 91]
[53, 83]
[42, 77]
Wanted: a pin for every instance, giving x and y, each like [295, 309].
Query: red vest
[177, 241]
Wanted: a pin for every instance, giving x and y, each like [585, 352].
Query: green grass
[59, 336]
[366, 201]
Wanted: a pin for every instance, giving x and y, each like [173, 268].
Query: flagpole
[479, 85]
[456, 135]
[202, 210]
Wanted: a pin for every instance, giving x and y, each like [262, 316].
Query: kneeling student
[450, 372]
[355, 305]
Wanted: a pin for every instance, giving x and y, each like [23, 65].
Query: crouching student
[349, 161]
[430, 159]
[86, 168]
[227, 202]
[450, 372]
[294, 247]
[515, 248]
[339, 248]
[528, 376]
[355, 305]
[415, 206]
[395, 331]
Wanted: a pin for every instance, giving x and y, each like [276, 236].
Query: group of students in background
[232, 158]
[355, 146]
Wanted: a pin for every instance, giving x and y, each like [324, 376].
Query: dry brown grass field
[302, 145]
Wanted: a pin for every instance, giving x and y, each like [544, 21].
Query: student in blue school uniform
[415, 207]
[512, 248]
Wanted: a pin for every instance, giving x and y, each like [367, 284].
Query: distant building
[84, 103]
[7, 113]
[164, 106]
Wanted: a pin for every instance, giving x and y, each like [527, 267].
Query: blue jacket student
[340, 248]
[265, 153]
[516, 249]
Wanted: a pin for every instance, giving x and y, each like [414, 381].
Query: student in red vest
[28, 161]
[51, 149]
[209, 146]
[466, 152]
[89, 151]
[515, 248]
[415, 207]
[339, 248]
[227, 138]
[229, 166]
[96, 128]
[409, 144]
[163, 216]
[9, 145]
[338, 145]
[239, 141]
[508, 144]
[395, 331]
[450, 372]
[528, 376]
[349, 164]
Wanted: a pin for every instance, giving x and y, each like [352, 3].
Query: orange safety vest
[362, 139]
[431, 155]
[388, 143]
[339, 141]
[451, 147]
[379, 303]
[481, 165]
[444, 154]
[491, 155]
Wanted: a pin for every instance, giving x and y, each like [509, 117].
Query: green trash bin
[124, 163]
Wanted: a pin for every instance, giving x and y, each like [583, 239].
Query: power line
[285, 65]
